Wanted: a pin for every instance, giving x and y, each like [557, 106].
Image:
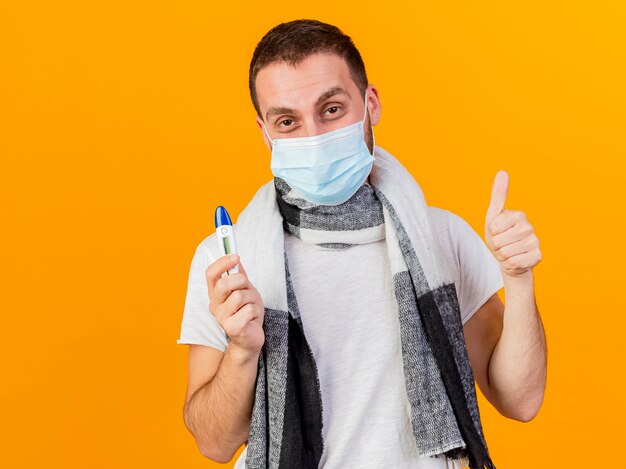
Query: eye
[286, 122]
[333, 110]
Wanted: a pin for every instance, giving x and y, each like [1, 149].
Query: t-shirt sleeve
[476, 271]
[479, 271]
[199, 326]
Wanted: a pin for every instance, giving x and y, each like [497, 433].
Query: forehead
[297, 87]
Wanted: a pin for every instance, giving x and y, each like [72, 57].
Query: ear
[373, 103]
[259, 124]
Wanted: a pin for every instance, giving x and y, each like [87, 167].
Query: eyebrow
[335, 90]
[330, 93]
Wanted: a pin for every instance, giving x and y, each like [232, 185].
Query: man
[307, 79]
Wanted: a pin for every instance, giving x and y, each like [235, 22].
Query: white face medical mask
[326, 169]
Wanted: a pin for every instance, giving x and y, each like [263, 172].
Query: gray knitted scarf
[287, 415]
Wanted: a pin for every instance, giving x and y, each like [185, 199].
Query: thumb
[498, 194]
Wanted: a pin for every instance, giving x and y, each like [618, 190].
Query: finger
[515, 249]
[238, 321]
[225, 286]
[505, 221]
[498, 194]
[214, 272]
[237, 300]
[516, 233]
[521, 262]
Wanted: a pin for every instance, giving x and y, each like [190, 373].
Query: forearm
[219, 413]
[517, 370]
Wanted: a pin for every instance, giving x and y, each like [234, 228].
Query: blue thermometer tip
[222, 217]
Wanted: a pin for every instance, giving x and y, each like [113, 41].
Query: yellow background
[124, 124]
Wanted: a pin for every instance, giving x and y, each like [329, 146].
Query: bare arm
[220, 393]
[508, 353]
[517, 371]
[218, 411]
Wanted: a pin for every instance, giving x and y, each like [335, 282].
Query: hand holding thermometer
[225, 235]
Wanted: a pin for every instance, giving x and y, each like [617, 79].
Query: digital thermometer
[225, 235]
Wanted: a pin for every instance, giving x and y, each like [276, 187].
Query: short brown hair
[296, 40]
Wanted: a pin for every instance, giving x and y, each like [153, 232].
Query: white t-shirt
[360, 349]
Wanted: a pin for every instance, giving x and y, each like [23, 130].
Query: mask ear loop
[365, 110]
[371, 126]
[267, 135]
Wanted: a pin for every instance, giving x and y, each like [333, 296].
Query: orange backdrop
[124, 124]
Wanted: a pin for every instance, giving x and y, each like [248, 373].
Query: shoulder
[456, 234]
[445, 227]
[446, 222]
[460, 242]
[204, 248]
[208, 249]
[476, 271]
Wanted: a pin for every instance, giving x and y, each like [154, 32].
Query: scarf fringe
[459, 458]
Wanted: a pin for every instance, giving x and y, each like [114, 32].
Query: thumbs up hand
[508, 233]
